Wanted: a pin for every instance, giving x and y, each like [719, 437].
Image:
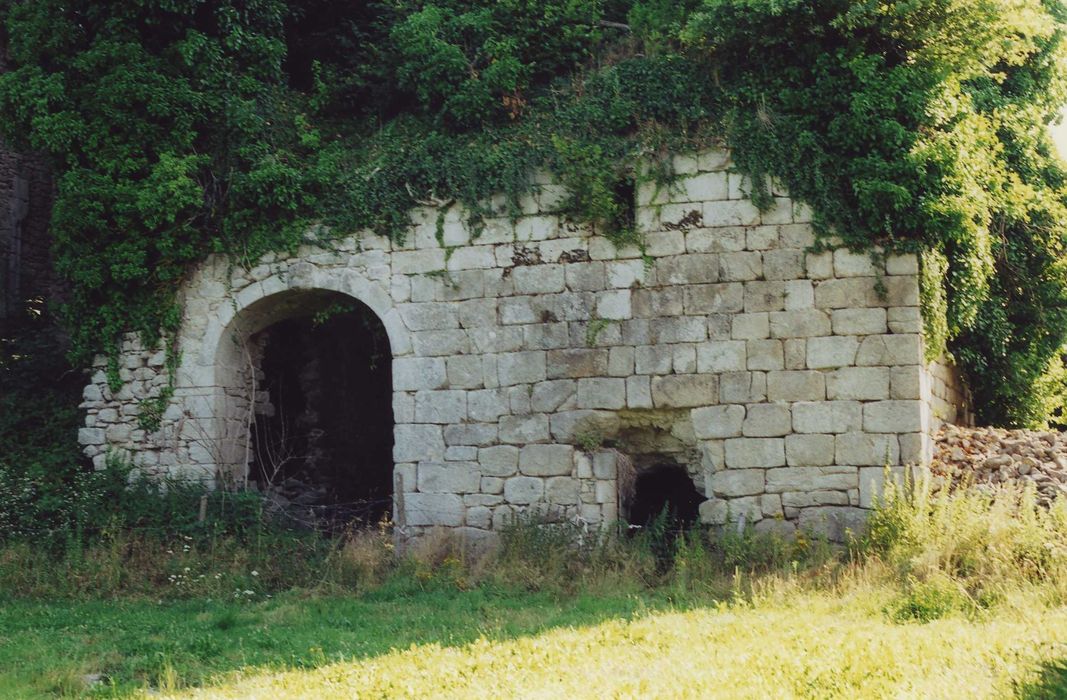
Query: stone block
[858, 383]
[440, 406]
[811, 478]
[585, 277]
[692, 268]
[448, 477]
[894, 416]
[538, 279]
[731, 483]
[764, 296]
[713, 298]
[809, 450]
[851, 264]
[524, 490]
[521, 367]
[831, 351]
[561, 491]
[890, 350]
[91, 436]
[900, 291]
[437, 343]
[905, 319]
[424, 509]
[742, 387]
[722, 356]
[498, 460]
[413, 262]
[749, 326]
[741, 266]
[798, 235]
[765, 355]
[714, 512]
[799, 323]
[907, 382]
[761, 238]
[807, 499]
[553, 395]
[614, 305]
[796, 385]
[866, 449]
[715, 240]
[799, 294]
[577, 363]
[795, 351]
[657, 303]
[684, 358]
[704, 187]
[859, 321]
[521, 430]
[568, 425]
[784, 264]
[819, 266]
[620, 361]
[464, 372]
[605, 464]
[835, 523]
[873, 481]
[767, 420]
[771, 504]
[461, 453]
[638, 392]
[414, 373]
[761, 453]
[428, 316]
[717, 421]
[685, 390]
[903, 264]
[416, 443]
[739, 212]
[747, 508]
[479, 434]
[827, 416]
[546, 460]
[843, 293]
[601, 393]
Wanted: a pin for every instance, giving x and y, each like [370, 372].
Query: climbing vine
[184, 127]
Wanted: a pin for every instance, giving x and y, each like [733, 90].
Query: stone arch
[216, 378]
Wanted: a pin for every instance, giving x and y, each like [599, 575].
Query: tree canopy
[179, 128]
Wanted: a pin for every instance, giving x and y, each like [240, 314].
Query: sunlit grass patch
[817, 646]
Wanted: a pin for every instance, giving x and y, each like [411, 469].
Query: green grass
[948, 595]
[785, 642]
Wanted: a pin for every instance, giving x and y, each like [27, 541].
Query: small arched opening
[664, 491]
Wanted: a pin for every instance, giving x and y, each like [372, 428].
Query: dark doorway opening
[667, 491]
[323, 431]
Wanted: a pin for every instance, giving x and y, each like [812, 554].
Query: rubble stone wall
[528, 357]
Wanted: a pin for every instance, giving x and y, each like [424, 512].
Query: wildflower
[255, 573]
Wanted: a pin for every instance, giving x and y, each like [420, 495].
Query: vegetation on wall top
[184, 127]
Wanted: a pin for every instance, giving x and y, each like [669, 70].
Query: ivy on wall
[184, 127]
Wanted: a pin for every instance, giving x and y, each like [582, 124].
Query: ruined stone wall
[527, 358]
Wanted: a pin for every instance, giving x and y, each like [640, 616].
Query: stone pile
[989, 457]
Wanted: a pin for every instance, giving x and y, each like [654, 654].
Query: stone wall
[527, 358]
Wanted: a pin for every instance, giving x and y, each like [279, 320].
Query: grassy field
[479, 643]
[949, 596]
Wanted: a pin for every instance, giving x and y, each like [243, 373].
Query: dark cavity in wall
[323, 433]
[664, 491]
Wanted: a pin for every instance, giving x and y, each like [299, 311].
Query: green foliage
[182, 129]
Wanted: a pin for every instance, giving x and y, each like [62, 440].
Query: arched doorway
[308, 389]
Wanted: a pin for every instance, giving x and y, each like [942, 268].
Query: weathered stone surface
[858, 383]
[684, 390]
[827, 416]
[737, 482]
[448, 477]
[723, 344]
[767, 420]
[796, 386]
[866, 449]
[718, 421]
[746, 453]
[546, 460]
[809, 450]
[834, 523]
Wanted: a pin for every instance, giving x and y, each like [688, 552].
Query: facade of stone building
[532, 361]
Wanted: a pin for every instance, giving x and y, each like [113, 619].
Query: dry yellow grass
[803, 645]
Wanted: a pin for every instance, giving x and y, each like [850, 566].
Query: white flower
[255, 573]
